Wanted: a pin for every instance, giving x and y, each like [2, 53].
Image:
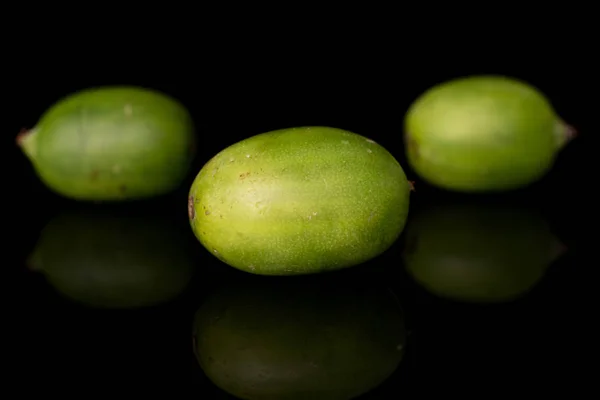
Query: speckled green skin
[299, 201]
[112, 144]
[286, 341]
[483, 134]
[483, 254]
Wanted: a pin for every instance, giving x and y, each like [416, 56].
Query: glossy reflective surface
[473, 291]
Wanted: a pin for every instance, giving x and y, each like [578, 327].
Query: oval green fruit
[107, 259]
[299, 201]
[274, 340]
[484, 253]
[483, 133]
[112, 144]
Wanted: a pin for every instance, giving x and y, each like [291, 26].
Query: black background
[537, 343]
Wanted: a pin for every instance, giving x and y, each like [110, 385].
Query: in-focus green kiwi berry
[112, 144]
[299, 201]
[483, 133]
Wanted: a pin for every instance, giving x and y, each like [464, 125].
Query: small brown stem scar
[191, 212]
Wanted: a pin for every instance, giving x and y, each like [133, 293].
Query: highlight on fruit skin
[299, 201]
[111, 143]
[486, 133]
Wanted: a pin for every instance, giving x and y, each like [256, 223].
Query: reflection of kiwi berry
[478, 253]
[111, 261]
[284, 341]
[483, 133]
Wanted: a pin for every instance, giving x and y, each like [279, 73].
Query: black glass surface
[480, 294]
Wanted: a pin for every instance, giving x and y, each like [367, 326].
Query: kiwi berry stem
[26, 140]
[21, 136]
[570, 132]
[566, 133]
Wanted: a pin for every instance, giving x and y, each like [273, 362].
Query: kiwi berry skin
[483, 133]
[112, 144]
